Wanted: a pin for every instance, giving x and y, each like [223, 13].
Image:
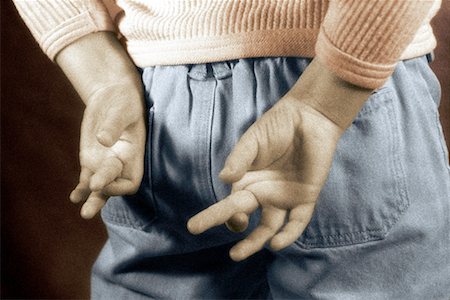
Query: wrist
[319, 88]
[95, 62]
[110, 93]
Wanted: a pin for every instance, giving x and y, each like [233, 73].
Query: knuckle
[234, 203]
[269, 229]
[84, 155]
[112, 190]
[247, 195]
[133, 189]
[130, 187]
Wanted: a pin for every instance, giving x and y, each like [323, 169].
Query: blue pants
[381, 225]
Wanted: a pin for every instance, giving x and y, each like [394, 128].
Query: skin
[113, 130]
[282, 161]
[279, 165]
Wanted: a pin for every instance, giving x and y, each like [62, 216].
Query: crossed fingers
[272, 227]
[94, 189]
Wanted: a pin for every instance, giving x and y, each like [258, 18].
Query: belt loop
[198, 71]
[430, 57]
[221, 70]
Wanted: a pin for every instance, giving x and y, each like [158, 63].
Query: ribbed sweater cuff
[58, 23]
[72, 29]
[372, 35]
[349, 68]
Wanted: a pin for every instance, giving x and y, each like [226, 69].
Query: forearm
[96, 61]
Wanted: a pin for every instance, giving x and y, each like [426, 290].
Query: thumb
[112, 126]
[240, 159]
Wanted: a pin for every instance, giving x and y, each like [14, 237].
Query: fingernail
[227, 171]
[276, 243]
[86, 212]
[191, 227]
[104, 138]
[72, 197]
[236, 255]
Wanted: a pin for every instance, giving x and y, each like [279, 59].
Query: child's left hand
[282, 161]
[280, 164]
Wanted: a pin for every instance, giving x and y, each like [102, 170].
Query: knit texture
[55, 24]
[360, 40]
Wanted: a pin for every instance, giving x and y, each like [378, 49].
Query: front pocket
[365, 193]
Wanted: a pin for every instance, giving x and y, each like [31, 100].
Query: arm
[79, 35]
[282, 161]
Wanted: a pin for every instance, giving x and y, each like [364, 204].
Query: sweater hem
[264, 43]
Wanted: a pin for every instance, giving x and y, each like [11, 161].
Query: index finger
[109, 170]
[222, 211]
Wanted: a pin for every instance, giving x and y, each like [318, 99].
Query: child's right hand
[112, 139]
[111, 147]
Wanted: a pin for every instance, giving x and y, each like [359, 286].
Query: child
[337, 163]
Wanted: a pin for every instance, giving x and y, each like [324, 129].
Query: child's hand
[113, 129]
[280, 164]
[111, 147]
[282, 161]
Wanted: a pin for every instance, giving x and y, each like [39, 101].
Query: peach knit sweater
[360, 40]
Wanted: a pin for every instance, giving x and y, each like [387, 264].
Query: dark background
[46, 249]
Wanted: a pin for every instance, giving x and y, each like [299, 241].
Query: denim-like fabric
[381, 226]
